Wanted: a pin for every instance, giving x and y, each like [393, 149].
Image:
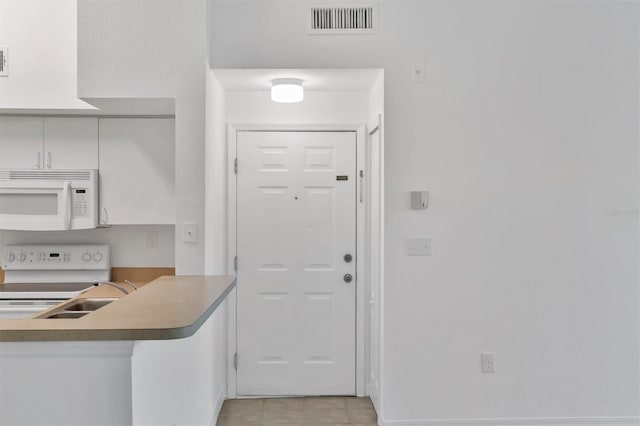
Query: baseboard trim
[528, 421]
[216, 412]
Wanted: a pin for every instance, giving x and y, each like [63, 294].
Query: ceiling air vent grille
[4, 68]
[342, 20]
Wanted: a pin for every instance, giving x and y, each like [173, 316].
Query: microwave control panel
[80, 202]
[56, 257]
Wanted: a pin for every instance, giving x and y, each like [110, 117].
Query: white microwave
[48, 200]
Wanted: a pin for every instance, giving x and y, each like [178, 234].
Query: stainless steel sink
[76, 308]
[88, 304]
[67, 315]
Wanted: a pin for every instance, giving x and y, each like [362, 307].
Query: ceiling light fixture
[287, 90]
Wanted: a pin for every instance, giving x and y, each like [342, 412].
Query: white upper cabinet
[48, 143]
[137, 172]
[21, 142]
[70, 143]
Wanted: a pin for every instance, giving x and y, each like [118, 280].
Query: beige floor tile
[324, 403]
[358, 402]
[282, 416]
[327, 416]
[240, 417]
[284, 403]
[362, 416]
[242, 404]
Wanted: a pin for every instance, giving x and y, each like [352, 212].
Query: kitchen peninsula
[79, 371]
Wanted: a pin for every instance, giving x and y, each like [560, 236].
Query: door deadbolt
[348, 278]
[348, 258]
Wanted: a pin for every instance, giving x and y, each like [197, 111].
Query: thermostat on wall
[419, 200]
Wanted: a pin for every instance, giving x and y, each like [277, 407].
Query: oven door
[22, 309]
[35, 205]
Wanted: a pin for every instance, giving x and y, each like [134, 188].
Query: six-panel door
[296, 220]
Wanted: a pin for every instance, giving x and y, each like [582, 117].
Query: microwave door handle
[66, 199]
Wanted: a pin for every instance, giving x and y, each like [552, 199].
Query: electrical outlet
[488, 360]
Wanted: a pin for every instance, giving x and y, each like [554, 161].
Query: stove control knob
[11, 257]
[97, 257]
[86, 257]
[22, 257]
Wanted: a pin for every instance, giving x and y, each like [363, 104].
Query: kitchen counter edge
[210, 292]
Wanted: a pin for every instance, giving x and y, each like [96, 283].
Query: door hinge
[235, 360]
[361, 186]
[235, 166]
[235, 263]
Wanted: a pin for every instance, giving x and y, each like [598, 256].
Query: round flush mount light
[287, 90]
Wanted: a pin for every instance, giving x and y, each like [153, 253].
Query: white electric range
[38, 277]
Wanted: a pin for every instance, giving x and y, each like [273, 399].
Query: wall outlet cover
[488, 361]
[418, 247]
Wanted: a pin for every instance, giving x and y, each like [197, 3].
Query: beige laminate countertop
[170, 307]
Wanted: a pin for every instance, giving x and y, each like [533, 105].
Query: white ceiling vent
[343, 20]
[4, 63]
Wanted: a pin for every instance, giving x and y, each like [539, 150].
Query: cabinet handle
[38, 162]
[48, 160]
[105, 217]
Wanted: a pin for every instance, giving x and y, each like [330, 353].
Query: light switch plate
[417, 73]
[418, 247]
[190, 232]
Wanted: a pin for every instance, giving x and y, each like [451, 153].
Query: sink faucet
[135, 287]
[114, 285]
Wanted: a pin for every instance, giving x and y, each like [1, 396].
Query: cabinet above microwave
[48, 143]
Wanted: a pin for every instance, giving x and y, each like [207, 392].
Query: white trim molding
[232, 129]
[528, 421]
[216, 411]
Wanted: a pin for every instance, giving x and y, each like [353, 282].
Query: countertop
[170, 307]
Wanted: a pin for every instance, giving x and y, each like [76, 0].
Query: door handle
[348, 258]
[66, 196]
[347, 278]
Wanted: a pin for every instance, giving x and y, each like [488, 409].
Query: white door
[296, 221]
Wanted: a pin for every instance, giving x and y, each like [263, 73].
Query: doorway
[339, 100]
[296, 199]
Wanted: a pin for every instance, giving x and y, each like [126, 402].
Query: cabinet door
[21, 143]
[137, 176]
[71, 143]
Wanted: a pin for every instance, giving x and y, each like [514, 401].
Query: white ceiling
[313, 79]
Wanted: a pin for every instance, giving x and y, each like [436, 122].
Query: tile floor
[324, 411]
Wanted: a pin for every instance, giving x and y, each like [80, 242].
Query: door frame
[362, 341]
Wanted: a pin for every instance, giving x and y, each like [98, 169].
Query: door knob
[348, 258]
[348, 278]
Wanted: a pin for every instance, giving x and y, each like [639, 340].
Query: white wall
[181, 382]
[131, 246]
[154, 49]
[41, 37]
[526, 135]
[328, 107]
[215, 177]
